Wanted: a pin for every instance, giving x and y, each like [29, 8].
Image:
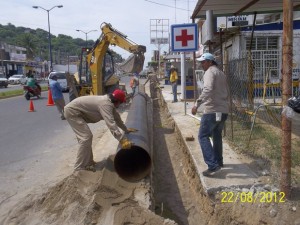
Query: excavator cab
[84, 76]
[85, 79]
[110, 80]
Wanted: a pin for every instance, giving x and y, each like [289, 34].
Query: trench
[177, 190]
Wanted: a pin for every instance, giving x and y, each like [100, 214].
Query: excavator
[96, 74]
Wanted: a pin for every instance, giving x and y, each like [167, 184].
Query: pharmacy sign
[184, 37]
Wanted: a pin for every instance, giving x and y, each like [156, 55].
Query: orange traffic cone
[50, 100]
[31, 107]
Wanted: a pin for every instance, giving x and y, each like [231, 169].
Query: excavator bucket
[134, 63]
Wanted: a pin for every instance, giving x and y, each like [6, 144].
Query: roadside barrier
[31, 106]
[50, 99]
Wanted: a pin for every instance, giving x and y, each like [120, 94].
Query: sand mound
[88, 198]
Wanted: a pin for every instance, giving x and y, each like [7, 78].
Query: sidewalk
[234, 174]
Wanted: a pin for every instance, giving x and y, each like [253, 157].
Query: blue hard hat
[206, 56]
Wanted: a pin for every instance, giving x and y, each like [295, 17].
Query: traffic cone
[31, 107]
[50, 100]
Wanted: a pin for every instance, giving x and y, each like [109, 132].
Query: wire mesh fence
[255, 83]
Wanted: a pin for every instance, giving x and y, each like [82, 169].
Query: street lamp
[86, 35]
[49, 39]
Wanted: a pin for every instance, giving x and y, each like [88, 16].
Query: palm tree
[27, 41]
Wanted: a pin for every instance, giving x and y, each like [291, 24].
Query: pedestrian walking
[92, 109]
[173, 80]
[57, 95]
[215, 100]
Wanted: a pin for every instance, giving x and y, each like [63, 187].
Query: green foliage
[153, 64]
[117, 58]
[37, 45]
[29, 42]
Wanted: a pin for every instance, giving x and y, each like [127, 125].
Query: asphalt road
[34, 146]
[26, 134]
[21, 129]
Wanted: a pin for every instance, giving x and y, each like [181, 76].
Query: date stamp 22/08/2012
[250, 197]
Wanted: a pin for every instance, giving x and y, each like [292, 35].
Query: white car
[17, 79]
[61, 79]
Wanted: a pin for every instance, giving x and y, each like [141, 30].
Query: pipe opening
[132, 164]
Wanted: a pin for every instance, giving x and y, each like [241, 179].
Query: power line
[167, 5]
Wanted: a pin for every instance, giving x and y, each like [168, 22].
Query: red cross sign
[184, 37]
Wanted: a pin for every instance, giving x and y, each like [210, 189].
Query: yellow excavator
[96, 73]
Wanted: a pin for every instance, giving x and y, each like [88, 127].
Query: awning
[239, 7]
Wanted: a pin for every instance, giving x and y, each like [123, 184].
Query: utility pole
[49, 33]
[286, 124]
[86, 33]
[159, 35]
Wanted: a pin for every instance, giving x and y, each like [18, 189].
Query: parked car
[17, 79]
[61, 79]
[3, 80]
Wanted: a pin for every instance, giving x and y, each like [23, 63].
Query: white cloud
[130, 17]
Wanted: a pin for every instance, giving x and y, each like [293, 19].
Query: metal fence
[255, 84]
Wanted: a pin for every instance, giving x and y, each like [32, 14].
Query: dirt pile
[88, 198]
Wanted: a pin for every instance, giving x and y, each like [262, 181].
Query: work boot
[91, 168]
[209, 172]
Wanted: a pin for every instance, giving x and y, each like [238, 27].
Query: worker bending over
[92, 109]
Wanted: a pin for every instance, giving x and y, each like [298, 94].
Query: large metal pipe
[134, 164]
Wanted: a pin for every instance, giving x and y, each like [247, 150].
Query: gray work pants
[60, 104]
[84, 137]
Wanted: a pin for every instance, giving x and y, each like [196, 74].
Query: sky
[132, 17]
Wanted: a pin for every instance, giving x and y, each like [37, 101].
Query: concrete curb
[235, 173]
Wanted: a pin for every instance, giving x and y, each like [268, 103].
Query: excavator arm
[115, 37]
[101, 65]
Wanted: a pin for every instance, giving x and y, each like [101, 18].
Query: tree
[27, 41]
[36, 42]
